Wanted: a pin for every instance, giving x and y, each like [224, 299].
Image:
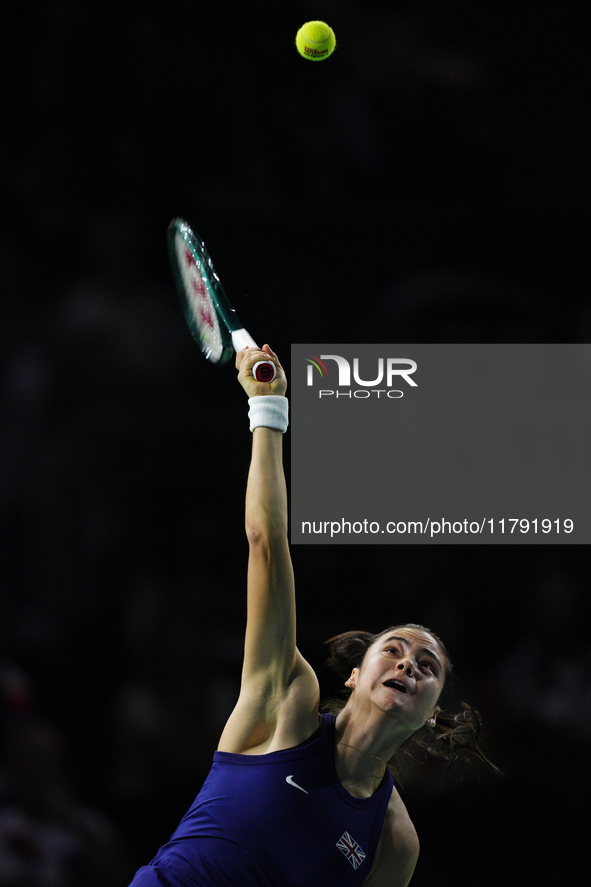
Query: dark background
[427, 183]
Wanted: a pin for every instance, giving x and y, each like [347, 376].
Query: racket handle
[263, 370]
[241, 339]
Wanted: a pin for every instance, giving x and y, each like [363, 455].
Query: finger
[246, 363]
[245, 352]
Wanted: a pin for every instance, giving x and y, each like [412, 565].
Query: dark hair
[455, 734]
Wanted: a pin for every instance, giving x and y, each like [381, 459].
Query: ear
[433, 719]
[353, 679]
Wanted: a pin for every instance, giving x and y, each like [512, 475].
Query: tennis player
[296, 798]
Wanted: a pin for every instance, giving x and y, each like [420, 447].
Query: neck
[360, 773]
[365, 743]
[367, 754]
[371, 730]
[362, 754]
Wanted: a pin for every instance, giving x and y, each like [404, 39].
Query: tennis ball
[315, 41]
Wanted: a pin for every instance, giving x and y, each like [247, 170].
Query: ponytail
[453, 738]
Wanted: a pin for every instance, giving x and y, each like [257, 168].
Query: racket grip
[263, 370]
[241, 339]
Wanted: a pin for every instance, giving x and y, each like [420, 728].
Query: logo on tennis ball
[315, 41]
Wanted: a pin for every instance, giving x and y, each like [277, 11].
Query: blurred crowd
[434, 165]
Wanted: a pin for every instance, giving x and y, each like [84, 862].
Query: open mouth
[396, 685]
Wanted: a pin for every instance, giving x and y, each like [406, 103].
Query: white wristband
[269, 410]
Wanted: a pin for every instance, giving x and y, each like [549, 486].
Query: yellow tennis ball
[315, 41]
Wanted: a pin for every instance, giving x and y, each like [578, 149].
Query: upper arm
[270, 639]
[265, 720]
[398, 849]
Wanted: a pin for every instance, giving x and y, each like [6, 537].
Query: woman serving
[296, 797]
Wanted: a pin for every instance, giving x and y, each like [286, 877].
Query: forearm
[266, 492]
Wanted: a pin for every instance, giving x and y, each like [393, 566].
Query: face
[403, 673]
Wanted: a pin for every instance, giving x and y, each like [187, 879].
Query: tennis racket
[212, 320]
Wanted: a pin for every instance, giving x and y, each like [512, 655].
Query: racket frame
[233, 335]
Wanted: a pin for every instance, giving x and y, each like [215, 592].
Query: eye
[392, 650]
[430, 665]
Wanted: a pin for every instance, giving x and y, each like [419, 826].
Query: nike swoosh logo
[290, 781]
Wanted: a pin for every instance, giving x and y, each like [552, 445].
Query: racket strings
[202, 317]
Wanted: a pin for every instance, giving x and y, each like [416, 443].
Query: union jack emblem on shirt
[351, 849]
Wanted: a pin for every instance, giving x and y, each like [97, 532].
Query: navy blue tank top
[278, 820]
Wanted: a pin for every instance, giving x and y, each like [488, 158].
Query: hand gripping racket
[213, 322]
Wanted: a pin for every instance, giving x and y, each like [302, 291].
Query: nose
[405, 665]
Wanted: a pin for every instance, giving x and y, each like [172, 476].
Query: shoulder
[266, 719]
[398, 849]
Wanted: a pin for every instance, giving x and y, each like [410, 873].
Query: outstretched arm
[269, 652]
[279, 690]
